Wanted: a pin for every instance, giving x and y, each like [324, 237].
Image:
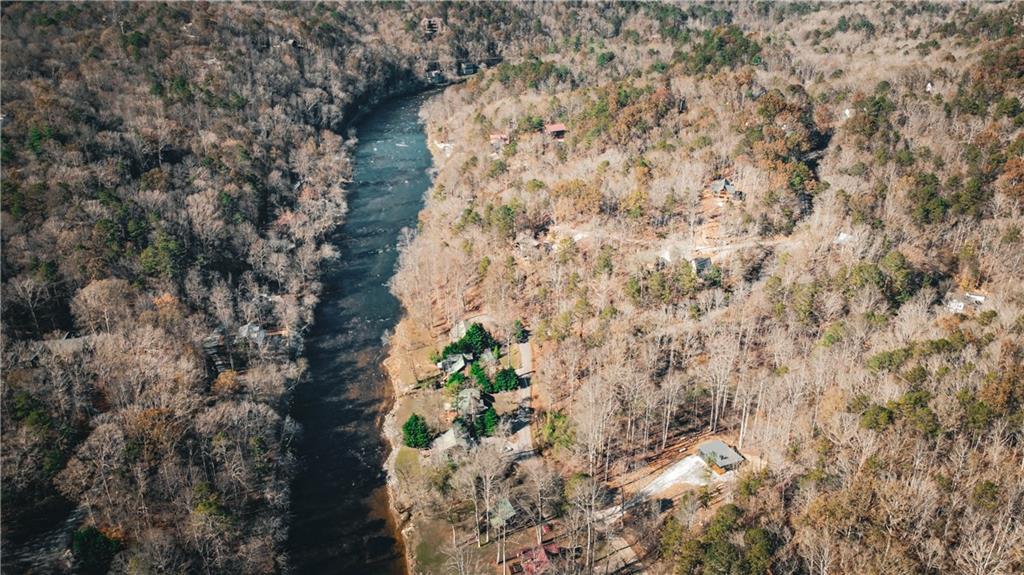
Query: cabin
[430, 26]
[498, 141]
[700, 266]
[719, 456]
[436, 77]
[467, 68]
[458, 330]
[528, 247]
[726, 190]
[556, 131]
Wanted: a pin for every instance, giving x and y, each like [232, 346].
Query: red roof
[537, 560]
[552, 128]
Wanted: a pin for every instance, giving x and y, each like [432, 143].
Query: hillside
[793, 228]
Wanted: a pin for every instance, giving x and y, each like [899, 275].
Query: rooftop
[719, 453]
[723, 185]
[503, 511]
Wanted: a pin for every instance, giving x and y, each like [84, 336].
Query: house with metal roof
[454, 363]
[719, 456]
[457, 436]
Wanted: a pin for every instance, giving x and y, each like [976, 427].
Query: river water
[340, 519]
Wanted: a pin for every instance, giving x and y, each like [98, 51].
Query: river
[340, 511]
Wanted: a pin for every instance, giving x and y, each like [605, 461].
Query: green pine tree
[415, 432]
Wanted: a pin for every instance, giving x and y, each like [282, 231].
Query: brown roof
[553, 128]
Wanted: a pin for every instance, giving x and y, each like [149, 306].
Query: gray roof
[719, 453]
[700, 265]
[469, 401]
[454, 437]
[723, 184]
[253, 332]
[452, 363]
[503, 511]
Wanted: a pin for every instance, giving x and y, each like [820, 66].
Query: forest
[791, 228]
[796, 227]
[171, 176]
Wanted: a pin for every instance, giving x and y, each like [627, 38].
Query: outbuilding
[557, 131]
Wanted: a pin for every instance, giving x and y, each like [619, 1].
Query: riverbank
[408, 362]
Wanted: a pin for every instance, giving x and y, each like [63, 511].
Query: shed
[976, 299]
[719, 456]
[67, 345]
[467, 68]
[556, 130]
